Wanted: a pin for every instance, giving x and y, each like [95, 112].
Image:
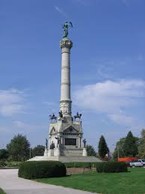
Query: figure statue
[52, 117]
[78, 116]
[84, 141]
[58, 141]
[60, 114]
[52, 146]
[65, 28]
[46, 143]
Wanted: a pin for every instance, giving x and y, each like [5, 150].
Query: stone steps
[66, 159]
[79, 159]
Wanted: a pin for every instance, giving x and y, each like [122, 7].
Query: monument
[65, 139]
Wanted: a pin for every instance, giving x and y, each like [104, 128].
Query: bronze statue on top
[65, 28]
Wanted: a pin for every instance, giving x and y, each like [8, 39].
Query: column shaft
[65, 96]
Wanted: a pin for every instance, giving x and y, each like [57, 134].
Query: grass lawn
[1, 191]
[132, 182]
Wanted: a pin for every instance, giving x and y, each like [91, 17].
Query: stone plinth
[66, 159]
[84, 152]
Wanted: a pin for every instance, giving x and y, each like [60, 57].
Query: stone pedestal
[50, 152]
[46, 152]
[57, 152]
[84, 152]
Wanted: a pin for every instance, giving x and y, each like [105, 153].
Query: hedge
[2, 163]
[41, 169]
[1, 191]
[14, 164]
[111, 167]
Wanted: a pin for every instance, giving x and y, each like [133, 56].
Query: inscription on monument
[70, 141]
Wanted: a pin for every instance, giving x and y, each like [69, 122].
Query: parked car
[136, 163]
[142, 161]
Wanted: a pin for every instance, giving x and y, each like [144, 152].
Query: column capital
[66, 43]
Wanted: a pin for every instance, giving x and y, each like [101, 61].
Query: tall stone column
[65, 96]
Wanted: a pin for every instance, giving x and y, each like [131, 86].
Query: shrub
[41, 169]
[111, 167]
[2, 163]
[13, 164]
[2, 192]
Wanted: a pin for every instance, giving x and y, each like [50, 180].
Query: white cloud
[21, 125]
[59, 10]
[140, 57]
[111, 97]
[122, 119]
[11, 102]
[83, 2]
[27, 126]
[125, 2]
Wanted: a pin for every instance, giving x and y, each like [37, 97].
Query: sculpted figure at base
[58, 141]
[46, 143]
[52, 146]
[53, 118]
[60, 114]
[84, 141]
[78, 116]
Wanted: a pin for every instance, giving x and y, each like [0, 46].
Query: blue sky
[107, 67]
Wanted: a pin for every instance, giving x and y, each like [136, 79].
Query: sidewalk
[12, 184]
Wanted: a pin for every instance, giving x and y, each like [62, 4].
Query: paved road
[12, 184]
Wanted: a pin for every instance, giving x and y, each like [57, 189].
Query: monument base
[66, 159]
[46, 152]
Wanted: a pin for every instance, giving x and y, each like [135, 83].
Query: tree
[103, 149]
[38, 150]
[141, 147]
[130, 145]
[119, 152]
[4, 154]
[18, 148]
[90, 150]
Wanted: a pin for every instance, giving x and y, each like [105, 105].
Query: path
[12, 184]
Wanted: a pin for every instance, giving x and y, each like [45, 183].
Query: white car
[142, 161]
[136, 163]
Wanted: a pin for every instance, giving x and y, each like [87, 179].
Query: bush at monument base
[41, 169]
[2, 163]
[111, 167]
[2, 192]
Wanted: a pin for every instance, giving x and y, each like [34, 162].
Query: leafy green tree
[90, 150]
[103, 149]
[141, 147]
[130, 145]
[38, 150]
[4, 154]
[18, 148]
[119, 152]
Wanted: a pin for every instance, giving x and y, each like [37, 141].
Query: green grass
[1, 191]
[132, 182]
